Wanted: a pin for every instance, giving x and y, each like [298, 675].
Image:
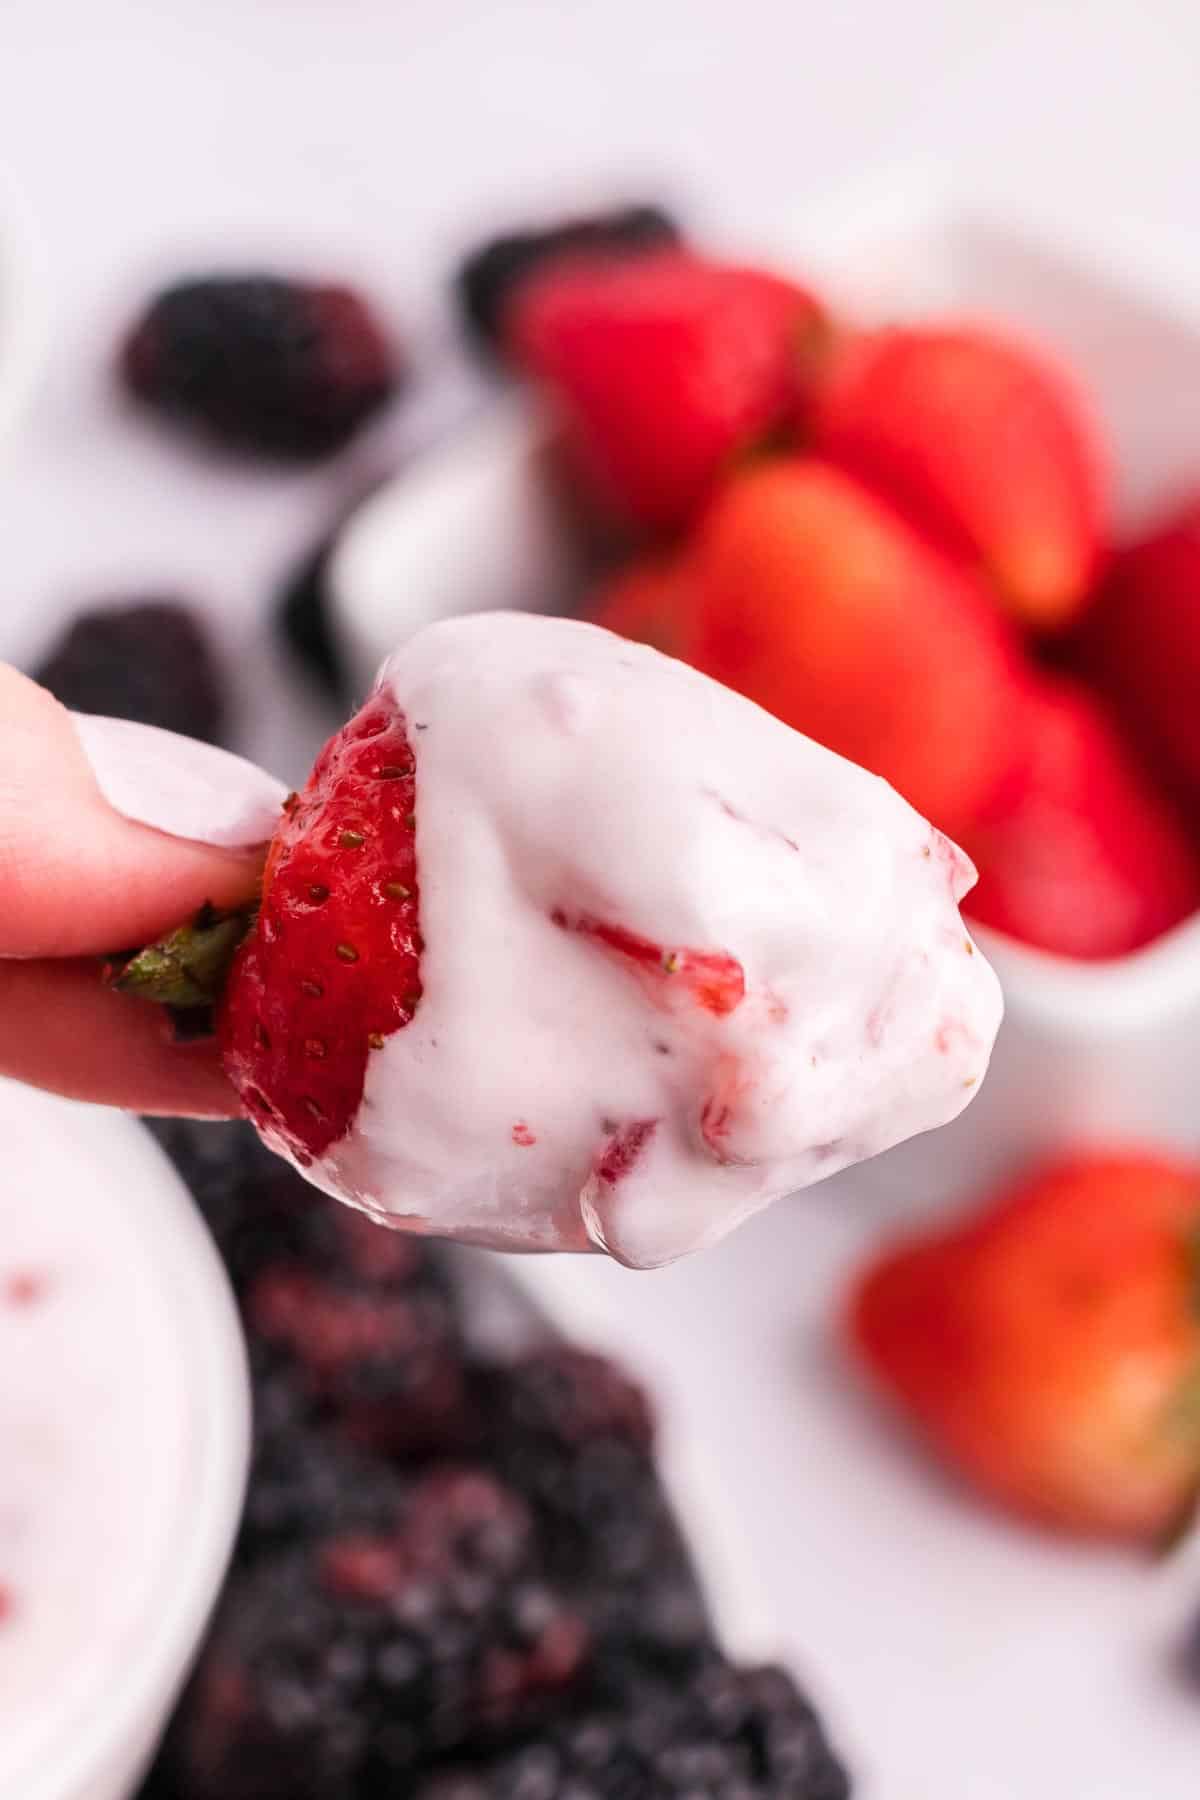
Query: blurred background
[377, 144]
[381, 140]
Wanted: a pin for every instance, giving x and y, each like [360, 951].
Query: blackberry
[489, 277]
[526, 1626]
[566, 1398]
[334, 1669]
[729, 1734]
[303, 617]
[383, 1361]
[262, 1211]
[572, 1433]
[305, 1482]
[150, 661]
[362, 1318]
[278, 368]
[256, 1206]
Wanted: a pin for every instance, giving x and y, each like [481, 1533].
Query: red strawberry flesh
[332, 966]
[714, 979]
[623, 1150]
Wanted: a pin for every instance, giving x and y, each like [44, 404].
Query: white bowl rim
[128, 1711]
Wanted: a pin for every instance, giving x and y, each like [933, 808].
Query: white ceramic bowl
[87, 1734]
[1088, 1052]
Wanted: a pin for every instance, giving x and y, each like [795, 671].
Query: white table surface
[375, 138]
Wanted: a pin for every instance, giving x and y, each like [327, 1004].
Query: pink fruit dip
[100, 1463]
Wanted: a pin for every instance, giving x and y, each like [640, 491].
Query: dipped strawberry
[984, 445]
[564, 946]
[1048, 1347]
[1086, 858]
[815, 599]
[664, 370]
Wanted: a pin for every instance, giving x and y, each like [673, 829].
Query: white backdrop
[375, 138]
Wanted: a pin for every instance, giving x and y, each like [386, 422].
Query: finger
[63, 1028]
[75, 875]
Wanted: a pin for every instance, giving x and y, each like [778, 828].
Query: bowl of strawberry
[918, 489]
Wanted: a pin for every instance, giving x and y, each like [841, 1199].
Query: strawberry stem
[187, 969]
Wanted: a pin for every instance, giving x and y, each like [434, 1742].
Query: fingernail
[177, 785]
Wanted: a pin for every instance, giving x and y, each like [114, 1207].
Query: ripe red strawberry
[1086, 859]
[1141, 643]
[1049, 1347]
[332, 965]
[665, 369]
[816, 600]
[985, 446]
[649, 601]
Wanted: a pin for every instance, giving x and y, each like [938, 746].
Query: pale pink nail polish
[179, 786]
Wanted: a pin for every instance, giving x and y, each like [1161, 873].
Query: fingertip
[76, 876]
[64, 1029]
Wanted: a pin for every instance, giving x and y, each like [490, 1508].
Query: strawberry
[1087, 859]
[986, 447]
[1141, 643]
[665, 369]
[711, 979]
[1049, 1347]
[332, 964]
[816, 600]
[649, 600]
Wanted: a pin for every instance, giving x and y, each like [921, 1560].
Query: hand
[78, 880]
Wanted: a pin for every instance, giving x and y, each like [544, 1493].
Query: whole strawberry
[650, 601]
[1141, 644]
[665, 369]
[1049, 1347]
[983, 444]
[815, 599]
[1084, 857]
[332, 965]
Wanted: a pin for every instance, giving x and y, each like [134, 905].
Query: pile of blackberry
[456, 1579]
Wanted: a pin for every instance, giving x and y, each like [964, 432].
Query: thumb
[80, 877]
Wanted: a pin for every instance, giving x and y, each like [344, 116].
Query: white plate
[958, 1657]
